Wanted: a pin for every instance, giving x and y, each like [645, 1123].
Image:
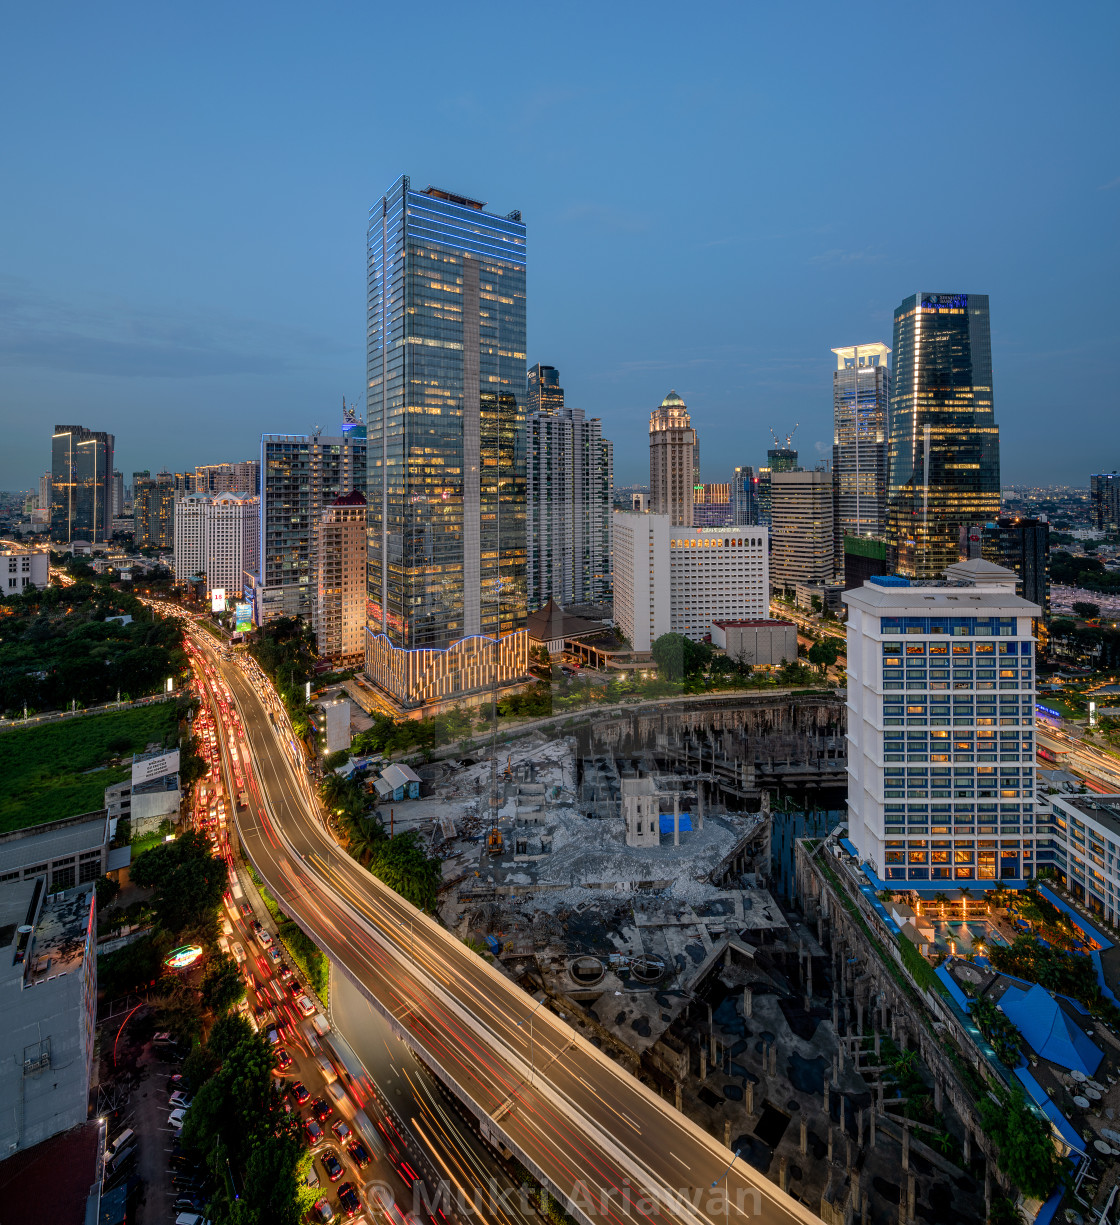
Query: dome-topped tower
[674, 461]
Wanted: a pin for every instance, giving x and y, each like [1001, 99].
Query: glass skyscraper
[446, 388]
[545, 393]
[861, 385]
[943, 453]
[81, 484]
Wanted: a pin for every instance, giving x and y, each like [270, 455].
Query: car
[341, 1129]
[245, 909]
[359, 1154]
[348, 1199]
[179, 1098]
[283, 1059]
[299, 1091]
[321, 1109]
[332, 1164]
[323, 1210]
[305, 1006]
[272, 1035]
[314, 1132]
[275, 956]
[175, 1118]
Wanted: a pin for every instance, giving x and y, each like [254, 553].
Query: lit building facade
[673, 461]
[711, 505]
[861, 386]
[1104, 500]
[802, 528]
[23, 568]
[941, 692]
[1022, 545]
[943, 449]
[301, 474]
[81, 484]
[545, 395]
[675, 580]
[340, 603]
[1079, 837]
[217, 535]
[569, 499]
[116, 495]
[242, 477]
[744, 497]
[153, 510]
[446, 390]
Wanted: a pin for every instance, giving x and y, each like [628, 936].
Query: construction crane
[788, 440]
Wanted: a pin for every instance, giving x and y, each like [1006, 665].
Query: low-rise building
[48, 984]
[1079, 837]
[22, 568]
[758, 642]
[73, 851]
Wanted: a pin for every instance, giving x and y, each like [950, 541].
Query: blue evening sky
[716, 195]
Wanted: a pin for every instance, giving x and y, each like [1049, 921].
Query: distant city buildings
[1022, 545]
[711, 505]
[941, 692]
[673, 461]
[116, 495]
[217, 535]
[861, 385]
[943, 454]
[1104, 501]
[340, 598]
[22, 568]
[545, 395]
[153, 510]
[670, 579]
[301, 474]
[569, 498]
[81, 480]
[744, 497]
[446, 393]
[802, 531]
[242, 477]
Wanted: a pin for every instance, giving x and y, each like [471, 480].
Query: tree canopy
[678, 657]
[187, 881]
[1026, 1151]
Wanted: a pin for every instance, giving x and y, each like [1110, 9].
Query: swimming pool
[948, 933]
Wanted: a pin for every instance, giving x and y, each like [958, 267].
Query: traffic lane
[409, 1088]
[646, 1150]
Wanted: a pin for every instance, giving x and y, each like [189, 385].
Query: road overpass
[604, 1144]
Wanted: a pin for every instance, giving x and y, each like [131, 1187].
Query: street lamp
[715, 1182]
[411, 937]
[532, 1047]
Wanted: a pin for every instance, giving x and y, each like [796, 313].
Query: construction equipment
[788, 440]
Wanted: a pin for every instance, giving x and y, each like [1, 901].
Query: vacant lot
[53, 772]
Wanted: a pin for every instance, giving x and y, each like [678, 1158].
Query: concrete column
[905, 1146]
[878, 1045]
[859, 1126]
[804, 1137]
[826, 1101]
[700, 805]
[835, 1014]
[727, 956]
[748, 1001]
[783, 1173]
[749, 1102]
[911, 1197]
[830, 1141]
[677, 1095]
[871, 1127]
[727, 1133]
[967, 1143]
[703, 1063]
[859, 1017]
[937, 1093]
[676, 818]
[774, 1059]
[712, 1048]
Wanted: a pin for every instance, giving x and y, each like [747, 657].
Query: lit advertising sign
[218, 600]
[243, 617]
[155, 767]
[180, 958]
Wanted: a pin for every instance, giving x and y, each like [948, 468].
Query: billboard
[155, 767]
[242, 617]
[218, 600]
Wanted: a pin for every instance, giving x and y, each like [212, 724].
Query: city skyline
[739, 321]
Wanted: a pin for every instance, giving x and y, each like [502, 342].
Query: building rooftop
[61, 1172]
[1104, 809]
[761, 622]
[551, 622]
[61, 839]
[60, 927]
[962, 598]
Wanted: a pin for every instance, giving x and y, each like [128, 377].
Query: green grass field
[46, 769]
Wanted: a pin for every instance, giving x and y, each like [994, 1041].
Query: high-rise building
[136, 478]
[116, 495]
[941, 691]
[446, 388]
[778, 459]
[803, 550]
[340, 598]
[545, 394]
[1022, 545]
[673, 461]
[81, 472]
[153, 510]
[678, 580]
[744, 497]
[711, 505]
[217, 535]
[45, 492]
[943, 452]
[242, 477]
[1104, 500]
[861, 385]
[569, 495]
[301, 474]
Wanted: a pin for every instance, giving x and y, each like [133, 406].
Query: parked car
[178, 1098]
[332, 1165]
[321, 1109]
[323, 1210]
[175, 1118]
[359, 1154]
[341, 1129]
[348, 1199]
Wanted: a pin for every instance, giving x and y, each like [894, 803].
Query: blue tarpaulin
[665, 822]
[1049, 1031]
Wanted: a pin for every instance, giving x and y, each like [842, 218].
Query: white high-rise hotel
[217, 535]
[941, 691]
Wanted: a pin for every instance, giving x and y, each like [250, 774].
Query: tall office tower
[1022, 545]
[861, 385]
[153, 510]
[1104, 500]
[446, 386]
[81, 479]
[943, 453]
[340, 595]
[744, 497]
[116, 495]
[673, 455]
[682, 580]
[545, 393]
[778, 459]
[217, 534]
[45, 491]
[941, 691]
[569, 480]
[300, 475]
[711, 505]
[804, 547]
[246, 477]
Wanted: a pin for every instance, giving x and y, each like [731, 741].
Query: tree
[106, 890]
[187, 881]
[1026, 1151]
[401, 864]
[222, 984]
[1085, 610]
[678, 657]
[824, 653]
